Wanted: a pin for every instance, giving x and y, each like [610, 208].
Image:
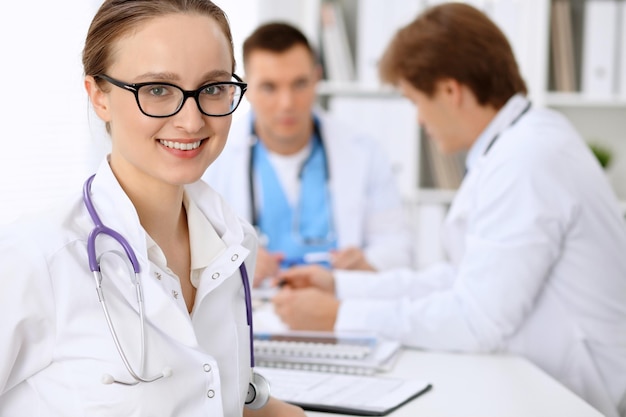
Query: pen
[316, 257]
[308, 258]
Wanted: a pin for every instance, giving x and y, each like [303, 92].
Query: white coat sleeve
[388, 241]
[27, 312]
[514, 235]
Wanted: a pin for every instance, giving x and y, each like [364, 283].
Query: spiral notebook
[348, 353]
[340, 393]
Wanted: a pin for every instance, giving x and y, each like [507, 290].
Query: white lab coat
[54, 341]
[537, 266]
[366, 206]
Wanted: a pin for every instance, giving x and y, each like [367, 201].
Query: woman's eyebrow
[163, 76]
[217, 74]
[171, 76]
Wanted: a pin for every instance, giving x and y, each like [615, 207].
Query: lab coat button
[215, 275]
[175, 294]
[234, 257]
[158, 276]
[210, 393]
[206, 367]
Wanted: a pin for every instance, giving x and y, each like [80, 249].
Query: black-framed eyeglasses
[157, 99]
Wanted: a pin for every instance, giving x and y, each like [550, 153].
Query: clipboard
[342, 393]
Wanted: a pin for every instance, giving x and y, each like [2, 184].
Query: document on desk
[342, 393]
[350, 353]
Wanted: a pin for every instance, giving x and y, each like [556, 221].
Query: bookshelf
[596, 103]
[530, 27]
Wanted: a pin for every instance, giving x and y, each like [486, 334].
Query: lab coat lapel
[455, 224]
[233, 233]
[479, 157]
[346, 183]
[161, 309]
[118, 213]
[222, 268]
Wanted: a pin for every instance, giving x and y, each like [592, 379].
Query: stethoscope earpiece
[258, 392]
[107, 379]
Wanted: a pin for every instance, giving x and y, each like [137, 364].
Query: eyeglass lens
[214, 99]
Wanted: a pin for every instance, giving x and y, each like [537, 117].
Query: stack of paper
[325, 352]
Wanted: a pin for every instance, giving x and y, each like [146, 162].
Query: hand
[306, 308]
[267, 265]
[350, 258]
[307, 276]
[275, 408]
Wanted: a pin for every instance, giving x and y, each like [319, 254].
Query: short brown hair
[457, 41]
[275, 37]
[116, 18]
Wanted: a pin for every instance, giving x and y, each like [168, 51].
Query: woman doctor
[160, 74]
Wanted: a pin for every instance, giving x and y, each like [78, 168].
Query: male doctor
[316, 191]
[535, 238]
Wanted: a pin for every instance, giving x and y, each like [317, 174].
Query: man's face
[281, 91]
[437, 115]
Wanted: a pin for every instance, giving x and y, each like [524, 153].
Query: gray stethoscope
[258, 389]
[515, 119]
[330, 236]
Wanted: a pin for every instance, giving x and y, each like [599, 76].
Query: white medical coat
[54, 341]
[537, 249]
[366, 205]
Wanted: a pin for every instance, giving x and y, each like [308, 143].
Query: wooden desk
[485, 386]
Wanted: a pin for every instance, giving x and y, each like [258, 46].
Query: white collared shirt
[205, 246]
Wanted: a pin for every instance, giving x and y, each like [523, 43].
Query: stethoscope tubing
[317, 132]
[515, 120]
[100, 228]
[94, 266]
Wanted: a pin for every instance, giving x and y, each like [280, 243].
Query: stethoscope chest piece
[258, 392]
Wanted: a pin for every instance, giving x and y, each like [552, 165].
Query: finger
[349, 258]
[278, 256]
[344, 261]
[282, 296]
[295, 277]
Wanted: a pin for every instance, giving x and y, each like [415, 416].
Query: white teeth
[180, 145]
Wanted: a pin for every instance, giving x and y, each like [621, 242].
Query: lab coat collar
[109, 197]
[117, 212]
[503, 119]
[204, 243]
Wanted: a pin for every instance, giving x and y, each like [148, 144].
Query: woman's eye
[213, 90]
[158, 90]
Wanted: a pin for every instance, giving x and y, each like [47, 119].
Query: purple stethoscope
[258, 390]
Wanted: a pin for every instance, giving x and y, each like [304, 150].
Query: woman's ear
[99, 99]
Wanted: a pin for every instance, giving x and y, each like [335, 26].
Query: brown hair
[275, 37]
[457, 41]
[116, 18]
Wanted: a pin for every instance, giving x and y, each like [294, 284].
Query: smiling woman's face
[188, 50]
